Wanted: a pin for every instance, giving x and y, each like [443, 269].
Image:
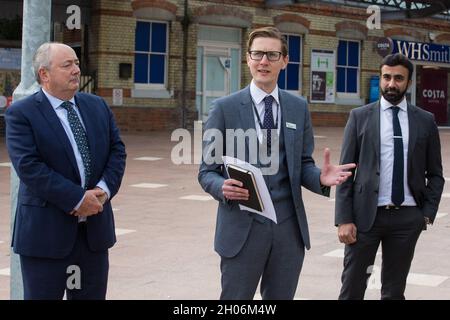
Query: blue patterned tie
[398, 193]
[268, 122]
[80, 138]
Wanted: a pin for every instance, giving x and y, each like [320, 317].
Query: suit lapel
[246, 111]
[246, 117]
[50, 115]
[373, 128]
[288, 115]
[412, 124]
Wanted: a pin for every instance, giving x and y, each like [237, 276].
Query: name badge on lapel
[291, 125]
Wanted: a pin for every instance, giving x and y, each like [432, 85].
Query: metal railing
[88, 82]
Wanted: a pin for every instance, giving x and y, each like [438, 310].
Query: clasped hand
[92, 203]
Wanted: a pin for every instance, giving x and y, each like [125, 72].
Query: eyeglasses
[271, 55]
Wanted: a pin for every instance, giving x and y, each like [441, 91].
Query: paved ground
[165, 242]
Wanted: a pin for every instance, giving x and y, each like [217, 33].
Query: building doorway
[218, 65]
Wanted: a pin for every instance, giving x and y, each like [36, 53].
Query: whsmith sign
[417, 51]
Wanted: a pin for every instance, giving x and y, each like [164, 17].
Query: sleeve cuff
[102, 185]
[79, 204]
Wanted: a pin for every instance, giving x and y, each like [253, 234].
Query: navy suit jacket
[50, 185]
[235, 112]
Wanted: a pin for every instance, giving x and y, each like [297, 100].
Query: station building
[160, 63]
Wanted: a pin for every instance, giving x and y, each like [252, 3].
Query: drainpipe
[185, 24]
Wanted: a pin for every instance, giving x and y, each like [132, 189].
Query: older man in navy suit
[67, 152]
[251, 247]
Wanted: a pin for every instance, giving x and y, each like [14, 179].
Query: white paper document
[269, 210]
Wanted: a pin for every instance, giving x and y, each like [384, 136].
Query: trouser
[398, 231]
[83, 274]
[273, 253]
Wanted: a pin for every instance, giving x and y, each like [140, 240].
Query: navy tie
[398, 193]
[80, 138]
[268, 122]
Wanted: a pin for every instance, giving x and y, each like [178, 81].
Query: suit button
[376, 191]
[378, 173]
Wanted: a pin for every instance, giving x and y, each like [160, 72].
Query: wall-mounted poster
[322, 76]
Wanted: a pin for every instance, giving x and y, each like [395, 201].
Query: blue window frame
[289, 78]
[150, 57]
[348, 67]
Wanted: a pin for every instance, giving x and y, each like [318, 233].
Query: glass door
[216, 84]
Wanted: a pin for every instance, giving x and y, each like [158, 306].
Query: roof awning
[390, 9]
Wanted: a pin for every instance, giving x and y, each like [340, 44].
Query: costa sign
[433, 94]
[384, 46]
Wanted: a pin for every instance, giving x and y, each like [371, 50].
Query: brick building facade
[173, 81]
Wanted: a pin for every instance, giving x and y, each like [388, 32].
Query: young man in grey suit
[396, 190]
[252, 247]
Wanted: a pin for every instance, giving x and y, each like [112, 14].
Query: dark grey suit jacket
[356, 199]
[235, 112]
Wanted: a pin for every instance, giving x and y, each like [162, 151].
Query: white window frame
[154, 86]
[300, 70]
[346, 95]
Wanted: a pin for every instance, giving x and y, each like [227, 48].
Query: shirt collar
[54, 101]
[258, 94]
[403, 105]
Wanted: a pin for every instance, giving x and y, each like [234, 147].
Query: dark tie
[80, 138]
[268, 122]
[398, 195]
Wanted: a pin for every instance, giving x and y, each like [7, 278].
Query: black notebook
[248, 179]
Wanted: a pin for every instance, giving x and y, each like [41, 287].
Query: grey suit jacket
[236, 112]
[357, 198]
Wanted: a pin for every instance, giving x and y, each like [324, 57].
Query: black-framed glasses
[271, 55]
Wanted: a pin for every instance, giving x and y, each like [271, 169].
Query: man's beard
[393, 95]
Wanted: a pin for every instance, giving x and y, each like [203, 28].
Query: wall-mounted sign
[117, 97]
[10, 58]
[420, 51]
[226, 62]
[322, 76]
[433, 93]
[384, 46]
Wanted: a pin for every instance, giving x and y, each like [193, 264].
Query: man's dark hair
[398, 59]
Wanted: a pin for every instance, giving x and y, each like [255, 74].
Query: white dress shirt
[62, 115]
[258, 96]
[387, 152]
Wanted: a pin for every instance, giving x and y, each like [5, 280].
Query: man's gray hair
[41, 59]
